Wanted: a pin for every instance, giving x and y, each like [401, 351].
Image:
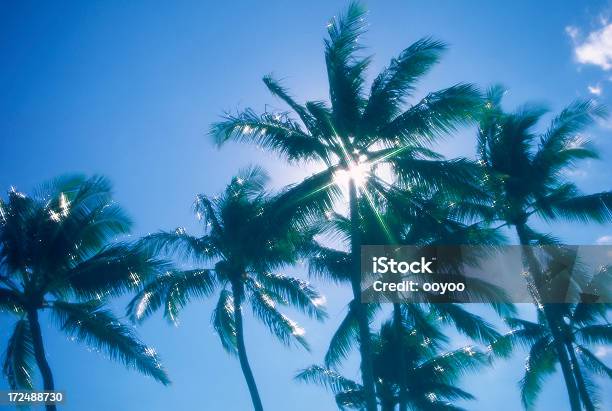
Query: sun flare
[358, 172]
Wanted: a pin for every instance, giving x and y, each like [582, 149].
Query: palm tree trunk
[401, 359]
[553, 324]
[39, 355]
[387, 406]
[365, 342]
[584, 394]
[242, 355]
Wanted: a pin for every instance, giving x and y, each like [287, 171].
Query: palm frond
[539, 365]
[436, 114]
[97, 327]
[277, 89]
[524, 334]
[10, 301]
[173, 290]
[572, 120]
[18, 365]
[444, 175]
[592, 362]
[297, 293]
[455, 364]
[327, 378]
[472, 325]
[309, 200]
[343, 341]
[585, 313]
[595, 334]
[281, 326]
[224, 322]
[585, 208]
[114, 270]
[179, 243]
[345, 69]
[330, 264]
[397, 81]
[274, 132]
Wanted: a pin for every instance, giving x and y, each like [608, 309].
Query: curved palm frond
[592, 362]
[10, 301]
[172, 290]
[392, 86]
[224, 322]
[436, 114]
[595, 334]
[281, 326]
[113, 270]
[97, 327]
[299, 294]
[472, 325]
[345, 69]
[343, 340]
[330, 379]
[539, 365]
[18, 363]
[179, 243]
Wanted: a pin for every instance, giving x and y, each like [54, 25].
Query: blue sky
[128, 90]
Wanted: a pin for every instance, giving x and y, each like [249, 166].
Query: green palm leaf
[539, 365]
[224, 322]
[18, 364]
[97, 327]
[172, 290]
[281, 326]
[328, 378]
[299, 294]
[114, 270]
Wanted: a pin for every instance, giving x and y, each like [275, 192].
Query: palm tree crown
[249, 235]
[431, 375]
[584, 324]
[56, 256]
[525, 174]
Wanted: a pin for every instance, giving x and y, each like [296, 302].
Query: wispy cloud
[602, 351]
[594, 48]
[595, 90]
[606, 239]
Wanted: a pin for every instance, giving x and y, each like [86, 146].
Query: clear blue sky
[128, 90]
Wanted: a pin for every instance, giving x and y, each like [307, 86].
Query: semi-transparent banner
[486, 274]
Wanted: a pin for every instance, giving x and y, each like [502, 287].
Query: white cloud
[596, 48]
[572, 31]
[596, 90]
[606, 239]
[602, 351]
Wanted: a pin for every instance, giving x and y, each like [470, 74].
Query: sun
[358, 172]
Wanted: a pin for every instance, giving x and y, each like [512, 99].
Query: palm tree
[432, 376]
[418, 218]
[55, 256]
[584, 324]
[526, 175]
[357, 133]
[249, 234]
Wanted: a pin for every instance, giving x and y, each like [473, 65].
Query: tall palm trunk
[584, 393]
[553, 323]
[39, 355]
[242, 355]
[365, 341]
[401, 359]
